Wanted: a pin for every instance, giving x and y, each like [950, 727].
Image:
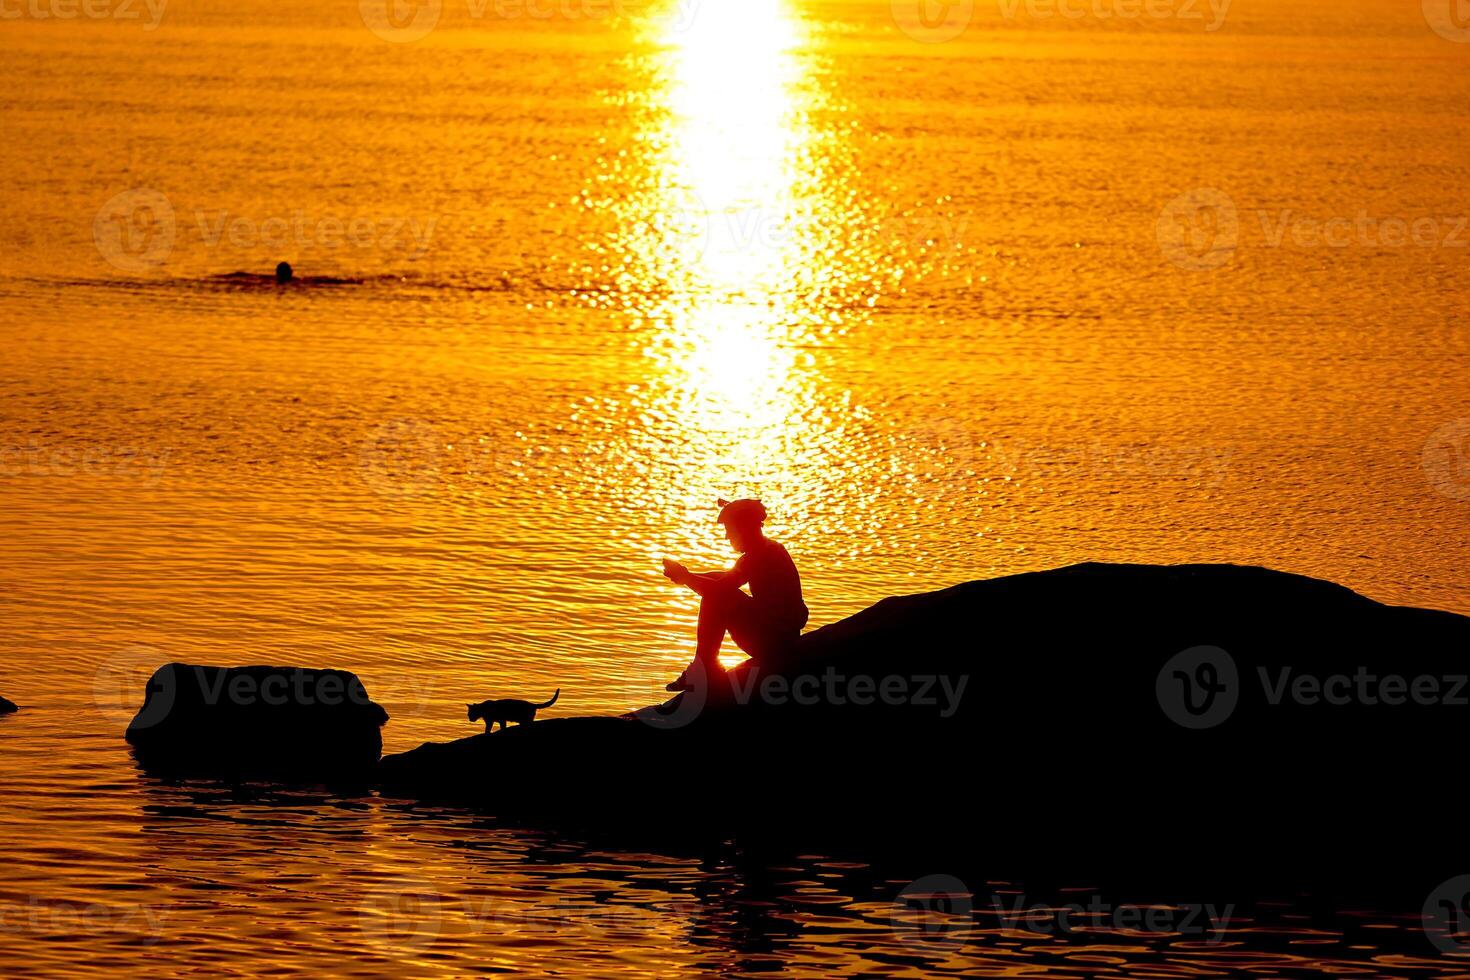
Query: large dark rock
[285, 722]
[7, 707]
[1085, 730]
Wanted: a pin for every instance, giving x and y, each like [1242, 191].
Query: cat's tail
[551, 702]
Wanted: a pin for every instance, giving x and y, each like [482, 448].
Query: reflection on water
[221, 881]
[733, 229]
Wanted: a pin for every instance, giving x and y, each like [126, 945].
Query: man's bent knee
[719, 598]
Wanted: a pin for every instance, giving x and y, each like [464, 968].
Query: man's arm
[703, 583]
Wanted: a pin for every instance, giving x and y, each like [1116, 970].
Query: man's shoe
[680, 683]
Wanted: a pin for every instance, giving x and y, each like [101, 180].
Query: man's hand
[675, 572]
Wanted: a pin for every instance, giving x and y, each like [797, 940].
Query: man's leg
[718, 611]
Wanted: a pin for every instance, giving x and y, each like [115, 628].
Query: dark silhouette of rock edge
[1061, 747]
[293, 723]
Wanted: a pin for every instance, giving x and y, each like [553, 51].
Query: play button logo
[1198, 688]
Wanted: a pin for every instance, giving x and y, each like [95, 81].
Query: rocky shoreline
[1244, 713]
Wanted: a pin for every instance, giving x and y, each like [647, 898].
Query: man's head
[743, 520]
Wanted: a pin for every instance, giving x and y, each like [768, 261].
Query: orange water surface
[959, 290]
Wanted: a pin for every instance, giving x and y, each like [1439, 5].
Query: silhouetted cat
[508, 710]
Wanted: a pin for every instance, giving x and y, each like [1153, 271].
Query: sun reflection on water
[720, 250]
[729, 179]
[736, 137]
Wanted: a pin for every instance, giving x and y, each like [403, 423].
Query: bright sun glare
[732, 145]
[732, 138]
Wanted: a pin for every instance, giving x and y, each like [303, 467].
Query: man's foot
[680, 683]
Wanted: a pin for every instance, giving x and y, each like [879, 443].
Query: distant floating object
[284, 272]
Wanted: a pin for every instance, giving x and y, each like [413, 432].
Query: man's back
[775, 584]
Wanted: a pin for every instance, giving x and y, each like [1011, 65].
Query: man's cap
[746, 509]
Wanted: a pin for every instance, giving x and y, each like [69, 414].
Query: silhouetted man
[764, 622]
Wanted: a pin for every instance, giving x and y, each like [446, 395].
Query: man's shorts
[756, 632]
